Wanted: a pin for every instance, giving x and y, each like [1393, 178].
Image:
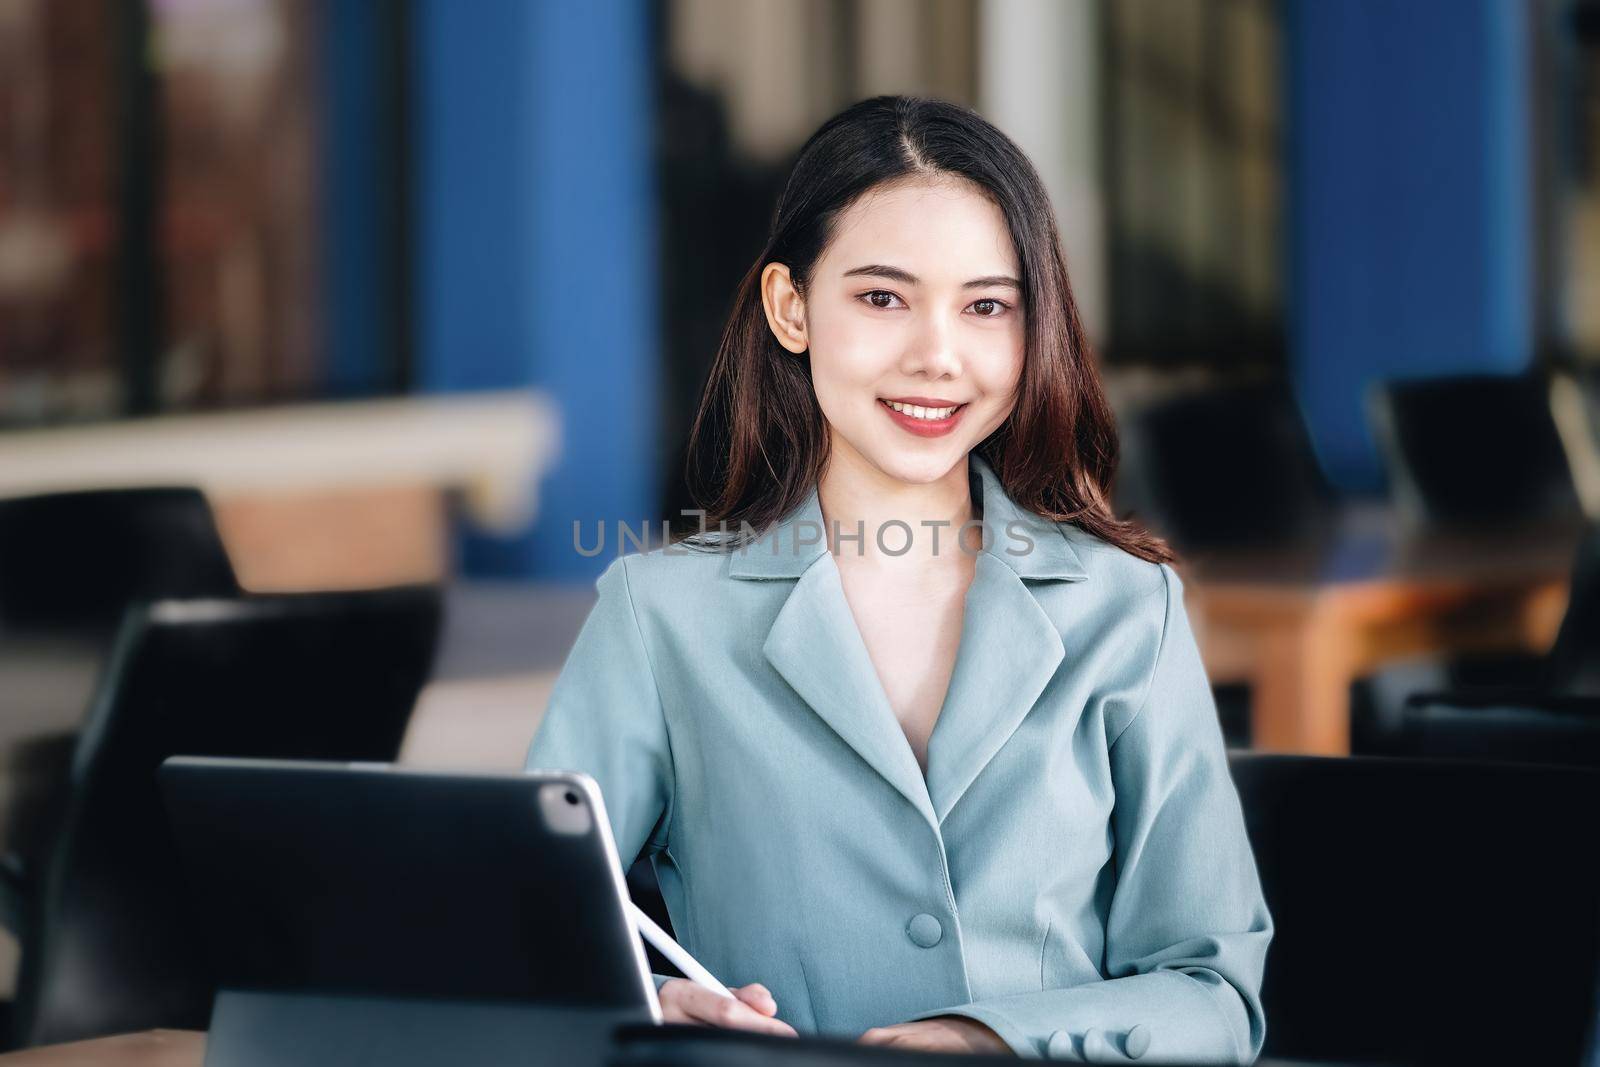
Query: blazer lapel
[1009, 648]
[817, 647]
[1009, 652]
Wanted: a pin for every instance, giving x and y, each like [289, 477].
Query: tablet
[463, 915]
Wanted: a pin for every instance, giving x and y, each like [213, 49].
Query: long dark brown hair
[759, 442]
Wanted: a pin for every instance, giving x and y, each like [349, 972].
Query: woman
[933, 762]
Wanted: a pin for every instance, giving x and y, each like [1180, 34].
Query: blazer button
[1137, 1042]
[1060, 1046]
[924, 930]
[1097, 1048]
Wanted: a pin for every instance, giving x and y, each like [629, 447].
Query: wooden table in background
[1301, 624]
[153, 1048]
[338, 495]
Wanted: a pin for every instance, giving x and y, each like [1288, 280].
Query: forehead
[936, 228]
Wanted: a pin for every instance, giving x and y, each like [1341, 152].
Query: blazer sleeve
[605, 718]
[1188, 927]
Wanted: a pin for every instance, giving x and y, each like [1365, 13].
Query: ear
[786, 310]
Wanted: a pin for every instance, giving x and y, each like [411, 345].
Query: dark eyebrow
[907, 278]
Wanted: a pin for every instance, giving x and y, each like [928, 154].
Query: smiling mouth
[917, 411]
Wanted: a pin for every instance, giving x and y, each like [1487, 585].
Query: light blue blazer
[1073, 871]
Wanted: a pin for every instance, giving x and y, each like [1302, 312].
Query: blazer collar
[1009, 651]
[794, 543]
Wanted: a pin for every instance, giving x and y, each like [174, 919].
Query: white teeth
[920, 412]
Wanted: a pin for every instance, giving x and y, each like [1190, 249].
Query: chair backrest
[1426, 912]
[1573, 665]
[1532, 728]
[1473, 448]
[1224, 466]
[78, 559]
[106, 947]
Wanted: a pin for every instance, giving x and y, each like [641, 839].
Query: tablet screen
[332, 879]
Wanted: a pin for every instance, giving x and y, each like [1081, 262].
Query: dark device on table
[372, 914]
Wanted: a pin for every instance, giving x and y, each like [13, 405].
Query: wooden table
[186, 1048]
[337, 495]
[154, 1048]
[1300, 624]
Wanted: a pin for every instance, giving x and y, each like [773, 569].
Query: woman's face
[915, 304]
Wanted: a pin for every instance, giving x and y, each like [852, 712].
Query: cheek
[1000, 368]
[847, 356]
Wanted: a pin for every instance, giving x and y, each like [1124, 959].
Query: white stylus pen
[673, 951]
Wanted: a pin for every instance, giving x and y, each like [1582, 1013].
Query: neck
[856, 497]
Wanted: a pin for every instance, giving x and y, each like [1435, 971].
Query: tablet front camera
[564, 810]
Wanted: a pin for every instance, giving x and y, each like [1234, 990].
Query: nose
[934, 352]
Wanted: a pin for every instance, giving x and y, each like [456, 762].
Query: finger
[764, 1005]
[732, 1014]
[757, 996]
[670, 996]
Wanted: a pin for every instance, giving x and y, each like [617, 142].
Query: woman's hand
[942, 1033]
[684, 1002]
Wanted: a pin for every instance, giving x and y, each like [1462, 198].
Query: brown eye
[987, 309]
[876, 302]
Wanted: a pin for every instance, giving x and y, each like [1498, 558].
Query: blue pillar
[536, 251]
[357, 324]
[1410, 223]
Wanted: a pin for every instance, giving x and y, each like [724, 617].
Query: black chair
[1573, 666]
[76, 560]
[1549, 730]
[1225, 466]
[70, 564]
[1542, 709]
[1473, 449]
[1426, 912]
[1482, 451]
[106, 947]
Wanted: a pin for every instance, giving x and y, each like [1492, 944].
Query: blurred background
[302, 303]
[228, 205]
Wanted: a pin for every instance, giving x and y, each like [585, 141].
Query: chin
[919, 466]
